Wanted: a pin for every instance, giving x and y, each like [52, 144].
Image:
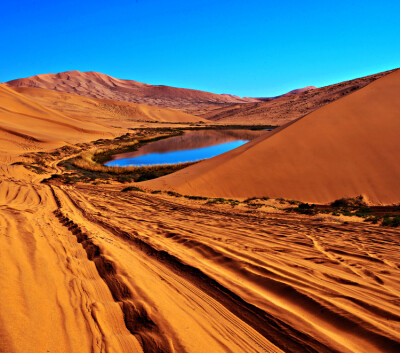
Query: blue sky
[248, 48]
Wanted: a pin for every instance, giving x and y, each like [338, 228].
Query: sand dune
[298, 90]
[294, 91]
[288, 107]
[92, 109]
[347, 148]
[101, 86]
[98, 85]
[24, 122]
[223, 108]
[32, 117]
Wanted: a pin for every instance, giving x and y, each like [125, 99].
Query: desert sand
[292, 92]
[288, 107]
[98, 85]
[92, 109]
[27, 125]
[345, 149]
[89, 268]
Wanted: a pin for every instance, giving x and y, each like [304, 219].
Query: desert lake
[192, 146]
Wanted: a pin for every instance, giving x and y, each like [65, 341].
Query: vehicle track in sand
[110, 271]
[236, 335]
[52, 296]
[268, 261]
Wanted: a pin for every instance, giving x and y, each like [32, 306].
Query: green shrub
[173, 193]
[391, 221]
[373, 219]
[363, 212]
[250, 199]
[132, 188]
[355, 202]
[195, 197]
[305, 208]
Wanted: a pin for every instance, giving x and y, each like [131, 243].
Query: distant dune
[98, 85]
[108, 111]
[347, 148]
[294, 91]
[288, 107]
[25, 124]
[299, 90]
[31, 117]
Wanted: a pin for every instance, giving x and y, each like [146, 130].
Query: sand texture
[350, 147]
[91, 269]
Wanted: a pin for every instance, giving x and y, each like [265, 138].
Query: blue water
[179, 156]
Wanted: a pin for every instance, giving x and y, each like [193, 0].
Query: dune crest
[94, 109]
[98, 85]
[287, 107]
[347, 148]
[24, 122]
[35, 118]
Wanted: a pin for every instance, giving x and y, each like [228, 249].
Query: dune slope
[26, 124]
[98, 85]
[35, 118]
[105, 110]
[345, 149]
[288, 107]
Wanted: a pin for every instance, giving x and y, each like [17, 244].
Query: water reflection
[190, 147]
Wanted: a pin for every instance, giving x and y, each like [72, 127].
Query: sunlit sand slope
[35, 118]
[26, 125]
[98, 85]
[290, 106]
[347, 148]
[104, 110]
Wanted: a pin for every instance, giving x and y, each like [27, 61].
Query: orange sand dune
[98, 85]
[24, 122]
[298, 90]
[347, 148]
[288, 107]
[294, 91]
[31, 117]
[92, 109]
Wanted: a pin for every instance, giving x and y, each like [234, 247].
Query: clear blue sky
[249, 48]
